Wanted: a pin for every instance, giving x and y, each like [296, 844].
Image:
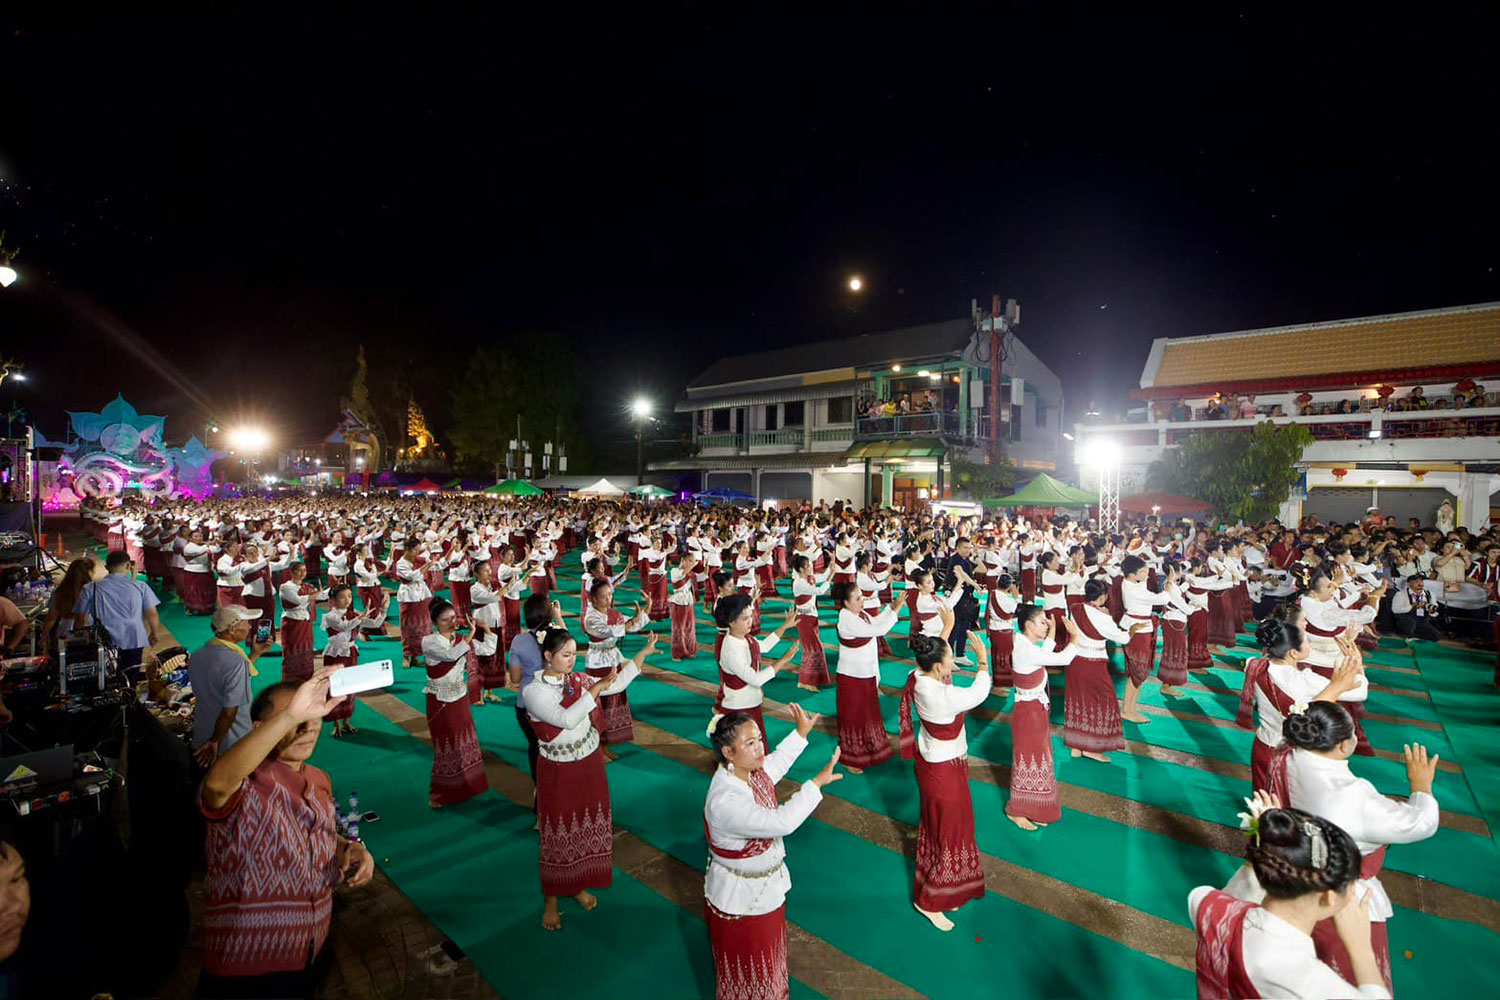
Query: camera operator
[125, 608]
[1414, 606]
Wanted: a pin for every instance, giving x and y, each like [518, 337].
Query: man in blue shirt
[124, 607]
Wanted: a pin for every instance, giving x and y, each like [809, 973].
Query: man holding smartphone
[220, 673]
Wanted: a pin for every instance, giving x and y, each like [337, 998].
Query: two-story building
[877, 418]
[1404, 409]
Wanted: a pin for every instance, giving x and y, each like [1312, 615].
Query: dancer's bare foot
[1136, 717]
[1103, 758]
[586, 899]
[492, 696]
[610, 755]
[551, 919]
[808, 687]
[1021, 821]
[1170, 691]
[854, 770]
[939, 921]
[1000, 692]
[1077, 753]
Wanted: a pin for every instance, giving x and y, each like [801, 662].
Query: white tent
[603, 488]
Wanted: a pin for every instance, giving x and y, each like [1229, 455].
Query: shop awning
[876, 450]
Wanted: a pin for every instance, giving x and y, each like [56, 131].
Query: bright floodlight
[249, 438]
[1101, 453]
[7, 276]
[18, 376]
[641, 407]
[856, 283]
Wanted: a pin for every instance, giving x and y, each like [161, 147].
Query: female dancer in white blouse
[457, 763]
[742, 670]
[490, 672]
[862, 734]
[412, 594]
[932, 729]
[573, 812]
[747, 881]
[1278, 681]
[1318, 780]
[1308, 868]
[1033, 783]
[1325, 620]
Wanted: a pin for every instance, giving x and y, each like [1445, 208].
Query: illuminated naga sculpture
[118, 449]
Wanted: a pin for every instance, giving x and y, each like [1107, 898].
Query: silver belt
[566, 748]
[714, 859]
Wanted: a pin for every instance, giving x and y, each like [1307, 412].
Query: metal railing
[787, 435]
[840, 432]
[1400, 425]
[938, 422]
[724, 439]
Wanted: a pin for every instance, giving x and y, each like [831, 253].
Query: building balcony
[786, 437]
[1413, 436]
[938, 423]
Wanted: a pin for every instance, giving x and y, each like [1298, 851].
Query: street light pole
[641, 408]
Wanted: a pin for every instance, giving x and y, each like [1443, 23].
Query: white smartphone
[364, 677]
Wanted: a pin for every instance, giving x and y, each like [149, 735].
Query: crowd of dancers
[996, 602]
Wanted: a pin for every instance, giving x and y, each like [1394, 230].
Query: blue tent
[724, 495]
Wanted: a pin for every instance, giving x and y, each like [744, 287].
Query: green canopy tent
[514, 488]
[454, 484]
[650, 491]
[1044, 491]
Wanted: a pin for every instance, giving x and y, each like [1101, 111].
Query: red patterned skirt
[1060, 635]
[540, 583]
[684, 632]
[457, 764]
[1140, 654]
[345, 707]
[1330, 948]
[1033, 783]
[1028, 586]
[490, 671]
[512, 620]
[656, 588]
[199, 592]
[372, 598]
[434, 579]
[229, 595]
[1260, 765]
[577, 841]
[1002, 641]
[296, 650]
[749, 954]
[619, 724]
[862, 735]
[157, 563]
[813, 667]
[948, 869]
[1221, 625]
[416, 625]
[1198, 656]
[1091, 711]
[458, 590]
[1174, 653]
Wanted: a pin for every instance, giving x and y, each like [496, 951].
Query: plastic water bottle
[353, 822]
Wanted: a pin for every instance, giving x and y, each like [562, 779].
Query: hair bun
[921, 644]
[1280, 828]
[1268, 632]
[1301, 730]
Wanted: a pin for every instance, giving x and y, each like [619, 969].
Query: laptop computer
[27, 771]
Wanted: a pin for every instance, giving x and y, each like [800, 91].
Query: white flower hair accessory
[1299, 708]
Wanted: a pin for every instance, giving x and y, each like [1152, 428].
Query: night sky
[214, 211]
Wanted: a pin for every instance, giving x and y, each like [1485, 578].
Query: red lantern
[1303, 398]
[1417, 474]
[1385, 391]
[1465, 387]
[1340, 473]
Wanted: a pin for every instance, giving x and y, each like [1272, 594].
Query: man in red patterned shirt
[274, 855]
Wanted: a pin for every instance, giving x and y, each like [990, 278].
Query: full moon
[855, 284]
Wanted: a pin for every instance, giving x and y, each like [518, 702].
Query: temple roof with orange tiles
[1432, 345]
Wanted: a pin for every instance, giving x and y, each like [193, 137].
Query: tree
[984, 480]
[496, 387]
[1245, 475]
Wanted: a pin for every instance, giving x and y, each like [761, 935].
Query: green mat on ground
[472, 868]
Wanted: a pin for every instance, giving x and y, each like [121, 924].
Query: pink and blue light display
[118, 450]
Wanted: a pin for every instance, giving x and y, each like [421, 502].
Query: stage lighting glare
[641, 408]
[1101, 453]
[7, 276]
